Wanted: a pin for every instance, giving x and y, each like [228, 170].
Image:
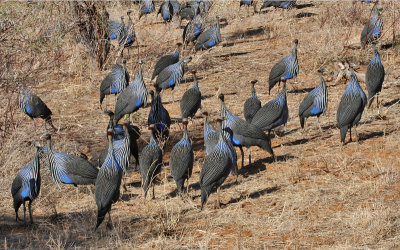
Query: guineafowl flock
[254, 129]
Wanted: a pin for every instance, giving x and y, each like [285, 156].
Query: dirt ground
[318, 194]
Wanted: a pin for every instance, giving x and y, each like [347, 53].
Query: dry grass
[317, 195]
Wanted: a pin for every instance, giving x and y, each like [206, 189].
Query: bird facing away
[132, 97]
[210, 135]
[166, 10]
[115, 29]
[26, 186]
[191, 100]
[351, 107]
[150, 162]
[31, 105]
[108, 183]
[171, 76]
[209, 38]
[273, 114]
[159, 116]
[146, 7]
[216, 168]
[372, 29]
[115, 81]
[68, 169]
[252, 104]
[374, 77]
[176, 6]
[285, 69]
[243, 133]
[166, 60]
[315, 103]
[193, 29]
[181, 159]
[119, 134]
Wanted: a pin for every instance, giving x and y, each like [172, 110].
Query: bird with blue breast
[351, 107]
[372, 29]
[26, 185]
[315, 102]
[285, 69]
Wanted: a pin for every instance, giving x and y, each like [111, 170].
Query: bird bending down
[374, 78]
[216, 167]
[68, 169]
[191, 100]
[274, 113]
[209, 38]
[159, 116]
[150, 162]
[108, 183]
[132, 97]
[26, 185]
[31, 105]
[278, 4]
[193, 29]
[315, 103]
[242, 133]
[181, 159]
[252, 104]
[351, 107]
[285, 69]
[115, 81]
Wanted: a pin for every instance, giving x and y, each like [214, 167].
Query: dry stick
[351, 27]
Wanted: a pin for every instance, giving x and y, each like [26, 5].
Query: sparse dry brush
[317, 195]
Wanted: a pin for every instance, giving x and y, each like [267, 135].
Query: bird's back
[190, 102]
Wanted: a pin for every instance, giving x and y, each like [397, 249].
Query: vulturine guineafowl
[278, 4]
[166, 10]
[216, 167]
[119, 134]
[273, 114]
[26, 185]
[166, 60]
[243, 133]
[31, 105]
[150, 162]
[314, 103]
[285, 69]
[115, 81]
[181, 159]
[115, 29]
[132, 97]
[374, 78]
[189, 11]
[252, 104]
[351, 107]
[193, 29]
[108, 182]
[127, 37]
[209, 38]
[159, 116]
[176, 6]
[68, 169]
[191, 99]
[172, 75]
[146, 7]
[210, 135]
[373, 28]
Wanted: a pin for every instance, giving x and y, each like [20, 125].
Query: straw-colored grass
[318, 194]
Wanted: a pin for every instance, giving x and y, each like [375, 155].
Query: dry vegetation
[317, 195]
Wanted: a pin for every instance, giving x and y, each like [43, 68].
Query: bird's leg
[218, 200]
[24, 213]
[241, 151]
[153, 191]
[187, 187]
[319, 125]
[109, 222]
[30, 211]
[355, 131]
[350, 135]
[284, 129]
[249, 150]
